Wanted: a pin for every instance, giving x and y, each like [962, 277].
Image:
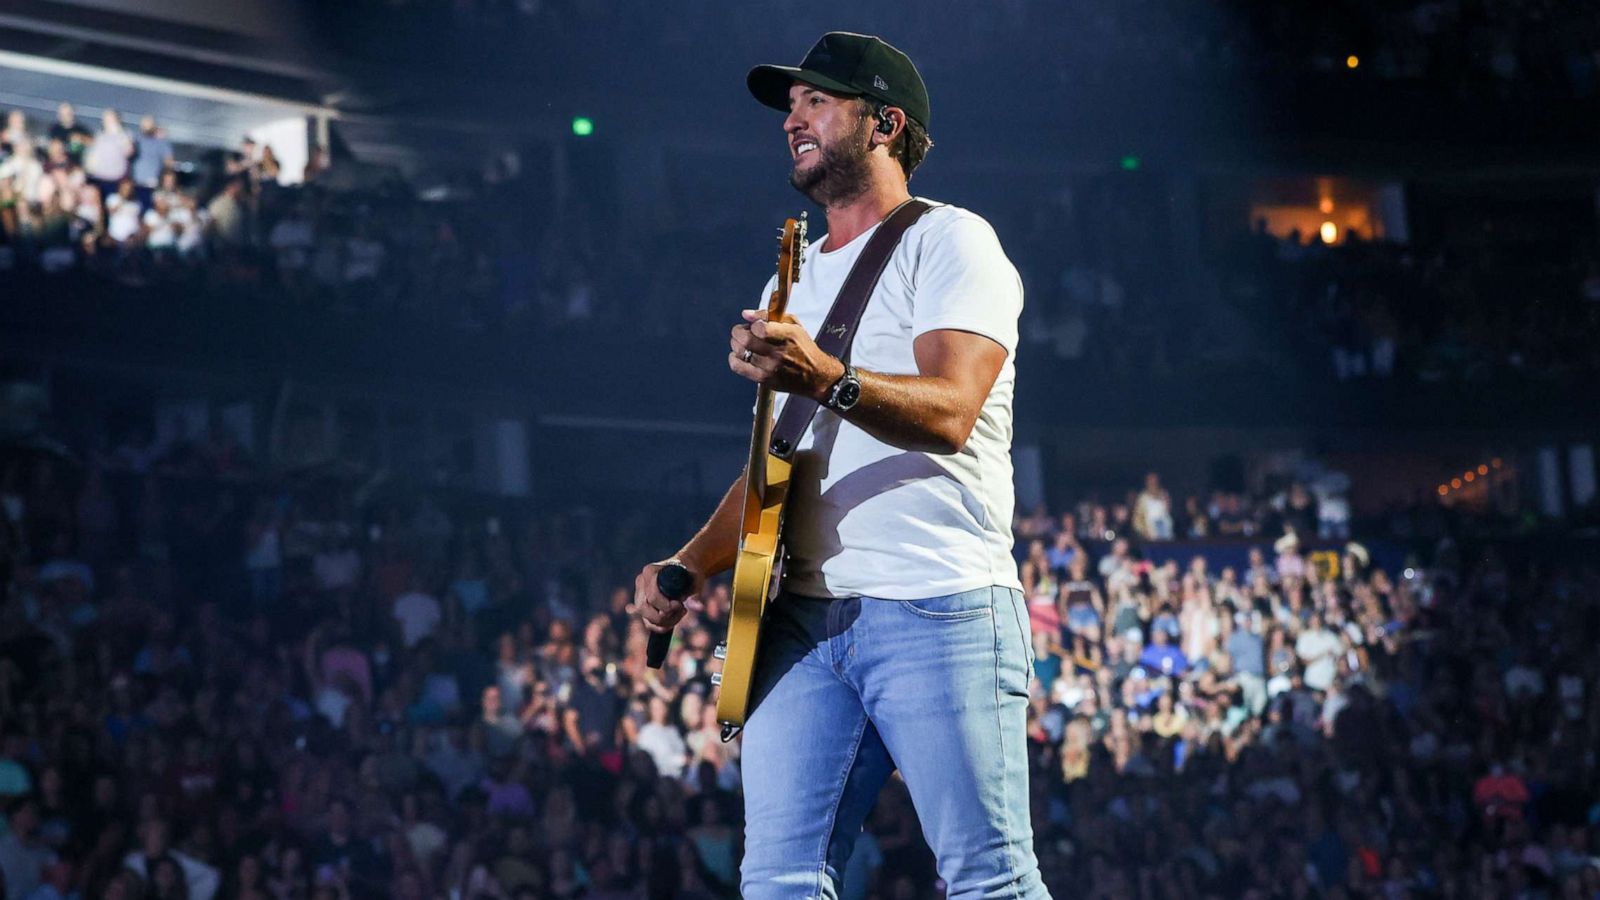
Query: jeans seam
[838, 800]
[1000, 731]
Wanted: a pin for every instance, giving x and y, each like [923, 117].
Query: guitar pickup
[720, 651]
[716, 679]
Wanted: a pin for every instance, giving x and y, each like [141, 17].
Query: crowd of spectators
[75, 189]
[221, 682]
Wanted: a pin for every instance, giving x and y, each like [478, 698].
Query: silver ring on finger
[748, 355]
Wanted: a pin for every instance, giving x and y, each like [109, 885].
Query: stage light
[1330, 232]
[1469, 476]
[582, 126]
[1444, 489]
[1455, 484]
[1495, 462]
[1130, 163]
[1352, 61]
[1483, 470]
[1325, 206]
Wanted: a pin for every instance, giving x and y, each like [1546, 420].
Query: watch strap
[839, 328]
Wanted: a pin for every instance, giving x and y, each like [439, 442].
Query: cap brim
[770, 84]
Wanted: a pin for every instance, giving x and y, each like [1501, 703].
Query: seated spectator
[1162, 657]
[161, 228]
[122, 213]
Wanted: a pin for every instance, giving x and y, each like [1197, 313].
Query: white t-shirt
[122, 217]
[869, 519]
[1319, 651]
[419, 614]
[162, 236]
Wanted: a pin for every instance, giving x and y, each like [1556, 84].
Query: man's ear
[888, 125]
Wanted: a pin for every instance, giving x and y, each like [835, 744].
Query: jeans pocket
[952, 607]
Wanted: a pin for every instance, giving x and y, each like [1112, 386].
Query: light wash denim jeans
[848, 690]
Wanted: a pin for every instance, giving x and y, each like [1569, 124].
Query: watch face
[849, 393]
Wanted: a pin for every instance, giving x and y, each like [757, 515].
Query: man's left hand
[782, 356]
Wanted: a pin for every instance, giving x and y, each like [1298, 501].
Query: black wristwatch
[846, 392]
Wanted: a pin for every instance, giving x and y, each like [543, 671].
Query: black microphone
[674, 582]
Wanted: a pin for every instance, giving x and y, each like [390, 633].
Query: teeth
[804, 147]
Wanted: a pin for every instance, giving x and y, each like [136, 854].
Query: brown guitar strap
[839, 329]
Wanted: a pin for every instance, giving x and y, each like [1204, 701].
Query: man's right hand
[660, 614]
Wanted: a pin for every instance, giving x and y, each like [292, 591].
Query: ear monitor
[885, 124]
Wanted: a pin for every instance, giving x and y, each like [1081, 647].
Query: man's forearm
[913, 412]
[715, 546]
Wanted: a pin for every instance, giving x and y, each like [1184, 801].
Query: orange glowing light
[1455, 483]
[1352, 61]
[1495, 462]
[1483, 470]
[1469, 477]
[1444, 489]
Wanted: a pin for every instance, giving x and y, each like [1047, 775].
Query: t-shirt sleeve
[964, 281]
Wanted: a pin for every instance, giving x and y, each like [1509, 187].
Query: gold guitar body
[766, 488]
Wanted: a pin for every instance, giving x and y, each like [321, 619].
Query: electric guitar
[766, 488]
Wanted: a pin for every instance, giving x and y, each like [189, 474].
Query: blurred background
[354, 357]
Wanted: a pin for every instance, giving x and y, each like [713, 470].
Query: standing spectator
[1152, 515]
[109, 157]
[24, 170]
[15, 133]
[72, 134]
[229, 214]
[153, 158]
[23, 856]
[263, 558]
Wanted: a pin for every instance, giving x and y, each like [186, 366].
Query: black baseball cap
[842, 62]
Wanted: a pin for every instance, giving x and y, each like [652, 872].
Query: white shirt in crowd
[419, 615]
[191, 227]
[869, 519]
[1319, 650]
[160, 233]
[665, 746]
[202, 880]
[107, 157]
[122, 218]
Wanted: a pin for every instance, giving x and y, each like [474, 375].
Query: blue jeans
[846, 691]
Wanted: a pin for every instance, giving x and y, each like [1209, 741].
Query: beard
[840, 173]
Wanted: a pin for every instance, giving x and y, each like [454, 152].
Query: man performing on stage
[901, 636]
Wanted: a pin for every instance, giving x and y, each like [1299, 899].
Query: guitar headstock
[792, 246]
